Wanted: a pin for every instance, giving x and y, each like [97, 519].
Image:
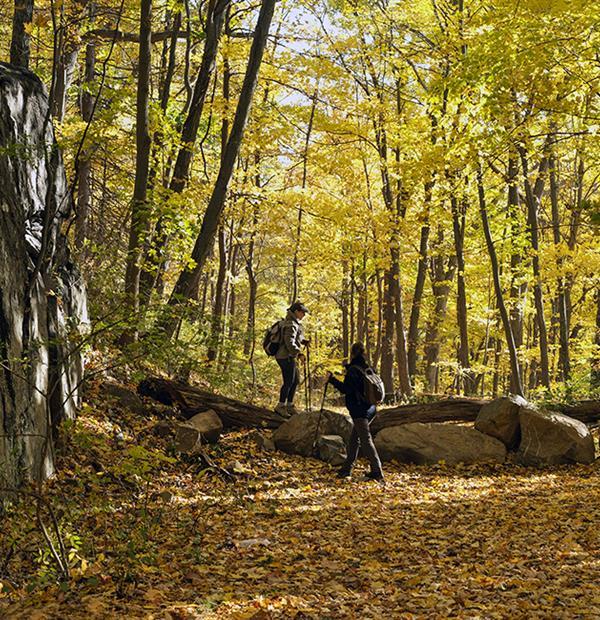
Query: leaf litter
[153, 535]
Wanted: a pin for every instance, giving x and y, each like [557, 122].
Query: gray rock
[332, 449]
[203, 428]
[430, 443]
[297, 435]
[549, 438]
[262, 441]
[500, 419]
[124, 397]
[162, 429]
[208, 424]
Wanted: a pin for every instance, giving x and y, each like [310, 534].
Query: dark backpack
[273, 338]
[373, 388]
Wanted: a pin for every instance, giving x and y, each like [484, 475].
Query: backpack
[272, 339]
[373, 388]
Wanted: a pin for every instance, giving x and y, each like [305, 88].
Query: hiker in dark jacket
[287, 356]
[361, 412]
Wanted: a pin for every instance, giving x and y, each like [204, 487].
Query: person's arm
[290, 332]
[337, 384]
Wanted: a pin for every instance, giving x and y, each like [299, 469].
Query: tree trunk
[516, 383]
[387, 338]
[188, 279]
[518, 287]
[217, 311]
[252, 283]
[154, 255]
[441, 273]
[415, 311]
[401, 350]
[84, 172]
[19, 45]
[533, 201]
[344, 309]
[465, 377]
[214, 21]
[296, 256]
[563, 320]
[191, 400]
[595, 373]
[139, 211]
[42, 297]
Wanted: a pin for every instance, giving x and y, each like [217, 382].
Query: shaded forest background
[422, 175]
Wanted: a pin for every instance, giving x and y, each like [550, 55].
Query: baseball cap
[298, 306]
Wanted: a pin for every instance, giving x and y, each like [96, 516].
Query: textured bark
[42, 299]
[415, 311]
[595, 371]
[466, 377]
[533, 197]
[84, 172]
[215, 17]
[19, 45]
[516, 382]
[563, 319]
[518, 284]
[442, 273]
[191, 400]
[140, 210]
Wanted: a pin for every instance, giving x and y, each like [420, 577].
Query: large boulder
[43, 312]
[123, 397]
[426, 444]
[549, 438]
[500, 419]
[298, 434]
[331, 449]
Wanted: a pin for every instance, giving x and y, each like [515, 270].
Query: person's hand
[301, 357]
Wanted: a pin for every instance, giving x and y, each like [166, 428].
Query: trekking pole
[308, 377]
[320, 416]
[305, 386]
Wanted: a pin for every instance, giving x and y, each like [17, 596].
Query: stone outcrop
[500, 419]
[42, 297]
[301, 432]
[426, 444]
[549, 438]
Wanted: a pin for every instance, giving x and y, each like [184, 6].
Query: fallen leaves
[288, 540]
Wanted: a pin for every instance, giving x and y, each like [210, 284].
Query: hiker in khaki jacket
[287, 356]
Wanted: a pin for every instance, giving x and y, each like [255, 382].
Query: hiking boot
[344, 473]
[374, 476]
[282, 410]
[291, 410]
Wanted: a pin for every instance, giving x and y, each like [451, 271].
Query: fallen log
[450, 410]
[192, 400]
[237, 414]
[587, 411]
[466, 410]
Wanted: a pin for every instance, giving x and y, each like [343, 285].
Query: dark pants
[289, 372]
[361, 436]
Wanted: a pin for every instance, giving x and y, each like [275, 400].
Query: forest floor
[149, 535]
